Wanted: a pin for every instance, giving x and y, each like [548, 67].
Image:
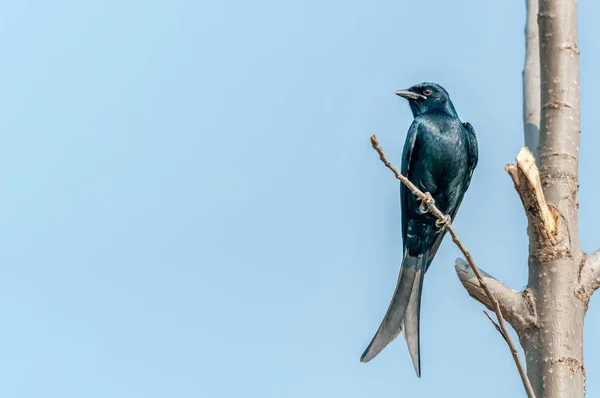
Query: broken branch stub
[526, 177]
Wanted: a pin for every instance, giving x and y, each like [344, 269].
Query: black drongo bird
[440, 154]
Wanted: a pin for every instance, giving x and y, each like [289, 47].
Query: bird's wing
[409, 148]
[410, 323]
[473, 152]
[473, 156]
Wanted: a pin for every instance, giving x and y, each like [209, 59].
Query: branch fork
[517, 307]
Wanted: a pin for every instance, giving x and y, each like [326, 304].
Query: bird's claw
[426, 203]
[441, 224]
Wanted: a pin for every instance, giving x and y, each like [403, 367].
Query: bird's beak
[409, 95]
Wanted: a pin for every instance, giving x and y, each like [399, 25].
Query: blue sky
[190, 206]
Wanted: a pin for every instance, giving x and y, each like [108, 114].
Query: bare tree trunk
[548, 315]
[554, 350]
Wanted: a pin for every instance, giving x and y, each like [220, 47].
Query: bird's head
[427, 97]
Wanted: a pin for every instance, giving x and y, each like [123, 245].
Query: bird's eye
[427, 92]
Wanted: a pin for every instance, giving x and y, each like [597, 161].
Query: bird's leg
[441, 224]
[426, 203]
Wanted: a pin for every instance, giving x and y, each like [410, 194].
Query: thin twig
[495, 324]
[445, 222]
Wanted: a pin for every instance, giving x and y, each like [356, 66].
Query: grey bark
[590, 276]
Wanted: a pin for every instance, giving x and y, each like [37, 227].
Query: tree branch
[589, 276]
[495, 324]
[445, 222]
[517, 307]
[531, 79]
